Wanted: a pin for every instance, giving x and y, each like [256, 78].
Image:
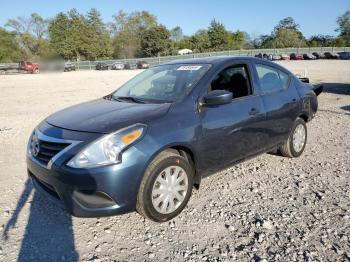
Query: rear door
[280, 100]
[232, 131]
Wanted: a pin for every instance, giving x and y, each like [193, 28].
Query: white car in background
[118, 66]
[184, 51]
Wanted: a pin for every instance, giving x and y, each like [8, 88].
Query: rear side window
[271, 79]
[284, 79]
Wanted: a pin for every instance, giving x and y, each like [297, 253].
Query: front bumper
[103, 191]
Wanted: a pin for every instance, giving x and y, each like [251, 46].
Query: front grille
[47, 150]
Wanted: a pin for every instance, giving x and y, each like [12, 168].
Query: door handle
[294, 100]
[253, 111]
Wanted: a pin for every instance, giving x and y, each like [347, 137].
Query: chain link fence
[89, 65]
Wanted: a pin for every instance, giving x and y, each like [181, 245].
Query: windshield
[166, 83]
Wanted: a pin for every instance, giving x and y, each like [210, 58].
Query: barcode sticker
[189, 68]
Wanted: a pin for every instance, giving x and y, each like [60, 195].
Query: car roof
[221, 60]
[214, 60]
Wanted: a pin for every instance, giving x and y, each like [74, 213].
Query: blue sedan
[145, 146]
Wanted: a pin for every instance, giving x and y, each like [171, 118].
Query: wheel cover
[169, 189]
[299, 137]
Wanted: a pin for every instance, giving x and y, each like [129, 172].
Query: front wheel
[296, 142]
[166, 187]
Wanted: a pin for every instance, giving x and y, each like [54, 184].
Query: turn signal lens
[131, 137]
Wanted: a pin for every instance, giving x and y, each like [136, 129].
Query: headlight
[107, 149]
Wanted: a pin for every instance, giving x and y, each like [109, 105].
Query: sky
[256, 17]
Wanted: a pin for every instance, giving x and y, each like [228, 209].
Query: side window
[284, 79]
[234, 79]
[271, 79]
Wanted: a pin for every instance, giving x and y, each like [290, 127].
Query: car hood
[105, 116]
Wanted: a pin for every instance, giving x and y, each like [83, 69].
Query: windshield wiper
[129, 98]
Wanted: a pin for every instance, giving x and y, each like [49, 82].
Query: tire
[290, 148]
[36, 71]
[167, 161]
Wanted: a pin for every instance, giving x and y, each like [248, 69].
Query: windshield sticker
[189, 68]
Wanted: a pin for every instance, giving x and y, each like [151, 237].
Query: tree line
[76, 36]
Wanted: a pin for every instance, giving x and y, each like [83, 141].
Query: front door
[231, 132]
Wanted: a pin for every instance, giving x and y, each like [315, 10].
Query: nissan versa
[145, 146]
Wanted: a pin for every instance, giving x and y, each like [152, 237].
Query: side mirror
[217, 97]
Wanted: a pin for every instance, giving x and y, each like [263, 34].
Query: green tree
[221, 39]
[75, 36]
[127, 30]
[287, 23]
[286, 34]
[343, 22]
[100, 41]
[38, 26]
[284, 38]
[321, 40]
[69, 34]
[218, 36]
[155, 41]
[9, 49]
[236, 40]
[36, 47]
[31, 34]
[266, 41]
[340, 42]
[78, 35]
[199, 42]
[59, 32]
[34, 25]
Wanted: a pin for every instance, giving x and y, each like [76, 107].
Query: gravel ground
[267, 209]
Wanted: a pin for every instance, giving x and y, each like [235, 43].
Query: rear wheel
[166, 187]
[296, 142]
